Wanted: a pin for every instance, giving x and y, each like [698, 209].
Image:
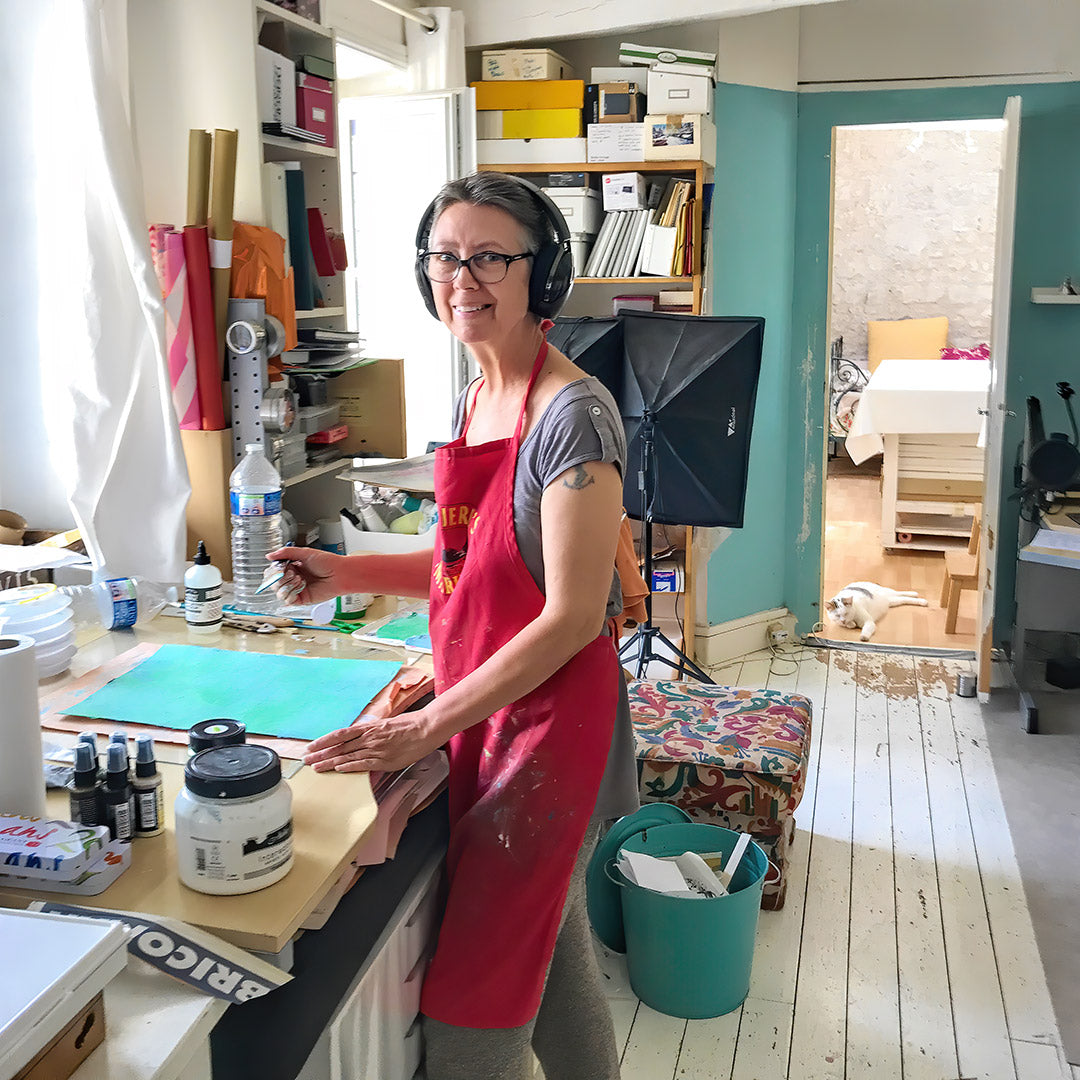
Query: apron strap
[538, 363]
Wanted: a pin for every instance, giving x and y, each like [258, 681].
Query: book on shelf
[291, 131]
[299, 242]
[614, 255]
[599, 245]
[324, 334]
[275, 203]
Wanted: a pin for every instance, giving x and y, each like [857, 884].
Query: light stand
[640, 643]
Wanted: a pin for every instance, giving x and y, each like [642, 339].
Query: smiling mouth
[471, 309]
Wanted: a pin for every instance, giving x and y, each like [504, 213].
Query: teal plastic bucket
[691, 957]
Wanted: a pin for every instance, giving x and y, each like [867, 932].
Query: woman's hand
[309, 576]
[375, 744]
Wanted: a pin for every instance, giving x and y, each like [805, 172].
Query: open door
[996, 407]
[399, 150]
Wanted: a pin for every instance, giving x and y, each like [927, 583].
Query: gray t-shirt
[580, 424]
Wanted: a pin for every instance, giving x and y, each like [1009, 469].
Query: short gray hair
[501, 191]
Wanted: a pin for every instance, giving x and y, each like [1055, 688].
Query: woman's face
[476, 313]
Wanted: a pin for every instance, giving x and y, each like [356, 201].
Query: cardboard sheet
[287, 696]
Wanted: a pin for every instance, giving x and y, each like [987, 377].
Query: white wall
[359, 22]
[914, 211]
[922, 39]
[489, 22]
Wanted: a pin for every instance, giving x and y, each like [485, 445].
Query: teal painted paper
[293, 697]
[412, 625]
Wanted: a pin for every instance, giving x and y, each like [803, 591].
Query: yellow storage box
[530, 94]
[529, 124]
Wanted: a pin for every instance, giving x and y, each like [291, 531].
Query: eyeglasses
[487, 267]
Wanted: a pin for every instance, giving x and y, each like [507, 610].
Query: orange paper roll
[222, 191]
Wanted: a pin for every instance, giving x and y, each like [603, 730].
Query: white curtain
[436, 57]
[99, 444]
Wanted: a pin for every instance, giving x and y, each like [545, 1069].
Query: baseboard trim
[730, 641]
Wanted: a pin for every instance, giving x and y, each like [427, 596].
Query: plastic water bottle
[255, 511]
[118, 602]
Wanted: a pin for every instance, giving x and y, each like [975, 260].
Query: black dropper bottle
[119, 797]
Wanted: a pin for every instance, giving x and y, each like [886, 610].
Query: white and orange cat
[863, 604]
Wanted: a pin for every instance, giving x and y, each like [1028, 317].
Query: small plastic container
[207, 734]
[233, 821]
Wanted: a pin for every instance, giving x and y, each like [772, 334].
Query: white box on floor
[580, 209]
[690, 137]
[615, 142]
[514, 151]
[678, 92]
[623, 191]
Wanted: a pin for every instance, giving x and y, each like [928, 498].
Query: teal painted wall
[752, 253]
[1044, 341]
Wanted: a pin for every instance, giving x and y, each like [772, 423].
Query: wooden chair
[961, 572]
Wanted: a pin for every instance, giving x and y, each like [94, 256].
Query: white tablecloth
[918, 396]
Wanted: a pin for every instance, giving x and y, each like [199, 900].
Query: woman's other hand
[374, 744]
[310, 575]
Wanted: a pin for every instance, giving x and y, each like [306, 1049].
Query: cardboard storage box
[530, 94]
[676, 91]
[624, 191]
[651, 55]
[500, 65]
[620, 103]
[371, 402]
[580, 209]
[689, 137]
[275, 84]
[512, 151]
[615, 142]
[639, 76]
[529, 124]
[315, 105]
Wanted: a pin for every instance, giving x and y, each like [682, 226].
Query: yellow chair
[907, 339]
[961, 572]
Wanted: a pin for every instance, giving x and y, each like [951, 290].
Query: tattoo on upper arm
[581, 479]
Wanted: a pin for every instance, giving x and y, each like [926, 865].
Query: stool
[731, 757]
[961, 572]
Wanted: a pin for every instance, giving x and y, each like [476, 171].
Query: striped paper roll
[179, 345]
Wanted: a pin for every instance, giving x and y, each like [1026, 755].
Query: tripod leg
[683, 662]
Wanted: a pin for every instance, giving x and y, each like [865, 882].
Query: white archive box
[676, 90]
[524, 64]
[513, 151]
[689, 137]
[615, 142]
[581, 210]
[275, 85]
[54, 966]
[623, 191]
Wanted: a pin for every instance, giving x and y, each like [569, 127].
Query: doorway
[912, 242]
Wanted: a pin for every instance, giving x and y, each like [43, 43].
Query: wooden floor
[853, 552]
[905, 948]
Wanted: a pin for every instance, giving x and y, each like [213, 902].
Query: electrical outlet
[776, 633]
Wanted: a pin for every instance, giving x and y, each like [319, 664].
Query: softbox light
[685, 389]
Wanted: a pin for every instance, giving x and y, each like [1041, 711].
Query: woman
[530, 696]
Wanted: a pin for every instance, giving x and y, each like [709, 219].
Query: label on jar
[352, 605]
[125, 606]
[202, 607]
[242, 860]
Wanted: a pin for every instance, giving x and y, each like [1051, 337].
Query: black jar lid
[219, 732]
[232, 772]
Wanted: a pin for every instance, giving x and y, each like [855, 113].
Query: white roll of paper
[22, 781]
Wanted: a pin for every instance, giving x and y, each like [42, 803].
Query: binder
[630, 263]
[598, 247]
[650, 220]
[275, 205]
[606, 269]
[299, 243]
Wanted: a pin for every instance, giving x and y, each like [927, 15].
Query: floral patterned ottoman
[731, 757]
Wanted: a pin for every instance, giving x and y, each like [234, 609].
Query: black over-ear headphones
[552, 271]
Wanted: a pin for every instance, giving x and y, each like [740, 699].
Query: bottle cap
[145, 764]
[220, 732]
[85, 764]
[117, 774]
[232, 772]
[89, 738]
[252, 448]
[119, 738]
[201, 558]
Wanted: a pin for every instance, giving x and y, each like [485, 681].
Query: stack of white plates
[44, 614]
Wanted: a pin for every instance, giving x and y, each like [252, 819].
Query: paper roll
[198, 193]
[22, 781]
[222, 192]
[179, 343]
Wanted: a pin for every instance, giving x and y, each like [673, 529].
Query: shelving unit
[1052, 296]
[700, 172]
[697, 170]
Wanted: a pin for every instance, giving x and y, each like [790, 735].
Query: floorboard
[905, 948]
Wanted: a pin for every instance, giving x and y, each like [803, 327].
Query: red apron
[523, 783]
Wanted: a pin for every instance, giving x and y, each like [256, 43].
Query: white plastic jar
[233, 821]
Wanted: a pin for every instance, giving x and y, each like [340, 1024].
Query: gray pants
[572, 1034]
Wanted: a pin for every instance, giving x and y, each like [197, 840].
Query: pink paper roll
[179, 345]
[201, 299]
